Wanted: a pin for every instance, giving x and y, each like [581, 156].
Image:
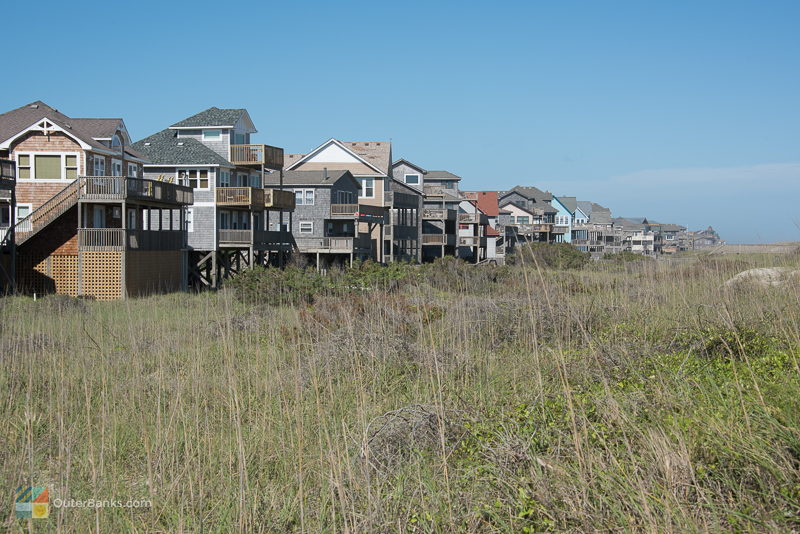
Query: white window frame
[217, 137]
[32, 166]
[419, 178]
[133, 170]
[116, 167]
[189, 220]
[28, 205]
[308, 225]
[303, 197]
[95, 160]
[224, 178]
[363, 192]
[198, 169]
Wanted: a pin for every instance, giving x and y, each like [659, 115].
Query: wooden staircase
[48, 212]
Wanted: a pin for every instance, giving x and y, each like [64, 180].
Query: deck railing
[46, 213]
[472, 218]
[471, 241]
[279, 199]
[235, 237]
[127, 239]
[438, 239]
[400, 200]
[240, 196]
[269, 156]
[439, 214]
[123, 188]
[361, 243]
[362, 211]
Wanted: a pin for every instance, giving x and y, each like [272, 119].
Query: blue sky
[687, 112]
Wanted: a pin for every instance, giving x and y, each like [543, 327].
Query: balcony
[118, 188]
[560, 229]
[430, 214]
[471, 241]
[242, 197]
[279, 199]
[439, 239]
[8, 172]
[270, 157]
[473, 218]
[396, 199]
[362, 212]
[333, 245]
[104, 239]
[401, 232]
[470, 195]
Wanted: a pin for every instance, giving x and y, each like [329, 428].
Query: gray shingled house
[229, 224]
[327, 215]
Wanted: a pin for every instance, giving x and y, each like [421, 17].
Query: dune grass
[624, 397]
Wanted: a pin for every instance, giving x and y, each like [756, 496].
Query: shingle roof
[98, 128]
[376, 153]
[14, 121]
[487, 203]
[441, 175]
[290, 159]
[571, 203]
[165, 148]
[586, 207]
[528, 192]
[211, 117]
[318, 178]
[406, 162]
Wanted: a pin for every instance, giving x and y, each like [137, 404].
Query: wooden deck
[271, 157]
[119, 188]
[362, 212]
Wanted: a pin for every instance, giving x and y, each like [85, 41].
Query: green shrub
[291, 285]
[625, 257]
[553, 256]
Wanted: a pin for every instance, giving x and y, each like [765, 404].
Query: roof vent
[147, 144]
[34, 106]
[325, 174]
[377, 144]
[366, 144]
[180, 144]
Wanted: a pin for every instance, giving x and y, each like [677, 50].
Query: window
[194, 178]
[368, 187]
[224, 179]
[47, 166]
[448, 185]
[306, 227]
[304, 197]
[239, 139]
[511, 219]
[412, 179]
[116, 167]
[212, 135]
[523, 219]
[115, 141]
[133, 171]
[242, 180]
[190, 220]
[99, 165]
[23, 210]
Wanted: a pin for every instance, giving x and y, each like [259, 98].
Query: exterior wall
[220, 147]
[317, 213]
[562, 211]
[101, 274]
[37, 192]
[399, 172]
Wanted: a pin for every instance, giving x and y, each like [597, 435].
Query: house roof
[308, 178]
[586, 207]
[441, 175]
[376, 153]
[290, 159]
[491, 231]
[571, 203]
[15, 121]
[98, 128]
[403, 161]
[487, 203]
[223, 118]
[529, 192]
[165, 148]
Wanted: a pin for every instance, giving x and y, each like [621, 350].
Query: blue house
[565, 217]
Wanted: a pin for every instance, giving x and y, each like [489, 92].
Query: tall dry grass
[616, 397]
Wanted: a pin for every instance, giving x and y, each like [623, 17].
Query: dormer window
[115, 141]
[412, 179]
[212, 135]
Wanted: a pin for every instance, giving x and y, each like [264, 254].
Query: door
[98, 217]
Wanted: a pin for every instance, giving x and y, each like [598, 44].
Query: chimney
[325, 174]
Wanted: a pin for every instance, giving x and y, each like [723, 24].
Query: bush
[553, 256]
[625, 257]
[273, 286]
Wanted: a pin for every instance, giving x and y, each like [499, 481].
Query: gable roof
[165, 148]
[487, 203]
[99, 128]
[309, 178]
[403, 161]
[571, 203]
[375, 155]
[17, 120]
[529, 192]
[441, 175]
[216, 117]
